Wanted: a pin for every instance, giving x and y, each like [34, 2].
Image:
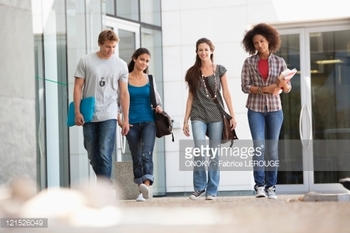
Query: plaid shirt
[251, 77]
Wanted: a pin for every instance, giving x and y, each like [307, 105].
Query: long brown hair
[193, 74]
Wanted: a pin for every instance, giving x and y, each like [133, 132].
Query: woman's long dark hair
[136, 54]
[193, 74]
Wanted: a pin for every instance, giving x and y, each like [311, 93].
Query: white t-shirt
[101, 81]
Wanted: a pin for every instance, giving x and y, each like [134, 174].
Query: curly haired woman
[261, 80]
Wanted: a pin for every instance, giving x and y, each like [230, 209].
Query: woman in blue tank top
[142, 133]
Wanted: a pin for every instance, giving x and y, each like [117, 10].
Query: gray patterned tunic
[203, 107]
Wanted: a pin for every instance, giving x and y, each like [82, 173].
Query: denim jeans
[200, 179]
[265, 129]
[141, 138]
[99, 141]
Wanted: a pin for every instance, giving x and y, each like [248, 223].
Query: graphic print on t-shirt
[103, 71]
[102, 82]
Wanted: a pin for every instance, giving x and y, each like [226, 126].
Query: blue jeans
[200, 180]
[141, 138]
[265, 129]
[99, 141]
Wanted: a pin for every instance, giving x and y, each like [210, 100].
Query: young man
[100, 75]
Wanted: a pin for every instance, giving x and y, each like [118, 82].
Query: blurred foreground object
[88, 205]
[345, 182]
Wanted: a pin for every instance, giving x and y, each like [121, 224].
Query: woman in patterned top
[262, 81]
[205, 115]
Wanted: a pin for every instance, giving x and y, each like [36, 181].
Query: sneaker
[197, 194]
[140, 198]
[260, 192]
[210, 198]
[271, 193]
[144, 190]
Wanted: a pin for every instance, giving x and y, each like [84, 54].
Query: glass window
[128, 9]
[151, 12]
[126, 44]
[152, 40]
[290, 152]
[110, 7]
[52, 94]
[330, 89]
[40, 111]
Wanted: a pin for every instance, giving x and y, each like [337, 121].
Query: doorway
[131, 35]
[316, 130]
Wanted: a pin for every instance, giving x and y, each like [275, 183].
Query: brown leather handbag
[228, 135]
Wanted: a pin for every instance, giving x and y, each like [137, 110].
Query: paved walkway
[235, 214]
[97, 207]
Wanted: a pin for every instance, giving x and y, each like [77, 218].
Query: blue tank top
[140, 106]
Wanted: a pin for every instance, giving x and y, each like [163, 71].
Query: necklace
[215, 85]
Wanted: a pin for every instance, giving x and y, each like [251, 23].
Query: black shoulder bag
[164, 124]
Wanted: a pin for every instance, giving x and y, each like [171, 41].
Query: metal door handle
[303, 108]
[310, 127]
[300, 124]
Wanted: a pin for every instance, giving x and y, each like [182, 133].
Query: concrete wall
[17, 91]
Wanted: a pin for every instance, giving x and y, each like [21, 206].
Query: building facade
[315, 42]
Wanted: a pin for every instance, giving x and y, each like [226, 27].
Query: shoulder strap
[214, 98]
[152, 95]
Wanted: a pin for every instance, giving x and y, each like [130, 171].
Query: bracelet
[185, 122]
[259, 91]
